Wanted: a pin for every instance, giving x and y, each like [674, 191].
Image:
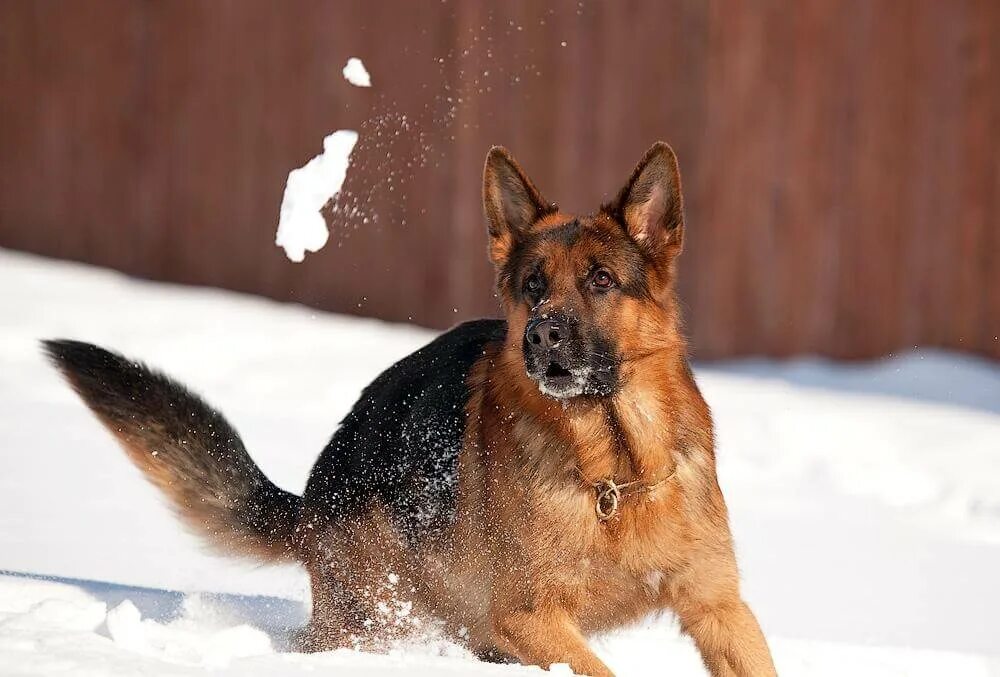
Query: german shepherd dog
[521, 483]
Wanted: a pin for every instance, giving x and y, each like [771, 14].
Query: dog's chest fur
[607, 569]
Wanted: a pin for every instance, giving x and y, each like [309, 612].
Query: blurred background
[841, 159]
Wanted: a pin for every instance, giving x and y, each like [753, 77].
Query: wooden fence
[841, 158]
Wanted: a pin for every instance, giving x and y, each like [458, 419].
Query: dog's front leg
[728, 637]
[546, 635]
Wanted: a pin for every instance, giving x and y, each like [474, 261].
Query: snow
[301, 225]
[865, 498]
[356, 74]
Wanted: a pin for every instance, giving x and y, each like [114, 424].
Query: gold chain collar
[609, 494]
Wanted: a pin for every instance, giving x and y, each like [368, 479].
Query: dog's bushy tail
[185, 448]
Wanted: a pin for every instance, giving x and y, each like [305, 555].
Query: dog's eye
[533, 285]
[602, 279]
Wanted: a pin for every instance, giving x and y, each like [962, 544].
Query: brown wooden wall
[841, 158]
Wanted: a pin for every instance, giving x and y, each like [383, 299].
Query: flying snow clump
[301, 226]
[356, 74]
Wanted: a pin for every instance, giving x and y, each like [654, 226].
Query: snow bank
[54, 627]
[355, 73]
[301, 226]
[50, 627]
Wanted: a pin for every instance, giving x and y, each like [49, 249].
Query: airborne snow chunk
[301, 226]
[356, 74]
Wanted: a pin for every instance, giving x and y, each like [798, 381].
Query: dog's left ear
[650, 205]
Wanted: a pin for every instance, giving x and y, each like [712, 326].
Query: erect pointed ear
[512, 202]
[650, 205]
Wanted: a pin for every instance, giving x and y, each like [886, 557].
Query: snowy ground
[865, 499]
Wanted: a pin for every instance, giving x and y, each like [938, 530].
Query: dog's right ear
[511, 201]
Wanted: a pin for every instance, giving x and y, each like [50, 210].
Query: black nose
[545, 334]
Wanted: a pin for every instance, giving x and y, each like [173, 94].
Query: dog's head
[586, 297]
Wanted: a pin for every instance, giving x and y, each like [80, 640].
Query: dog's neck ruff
[609, 494]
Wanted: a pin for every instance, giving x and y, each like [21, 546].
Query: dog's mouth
[560, 381]
[556, 371]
